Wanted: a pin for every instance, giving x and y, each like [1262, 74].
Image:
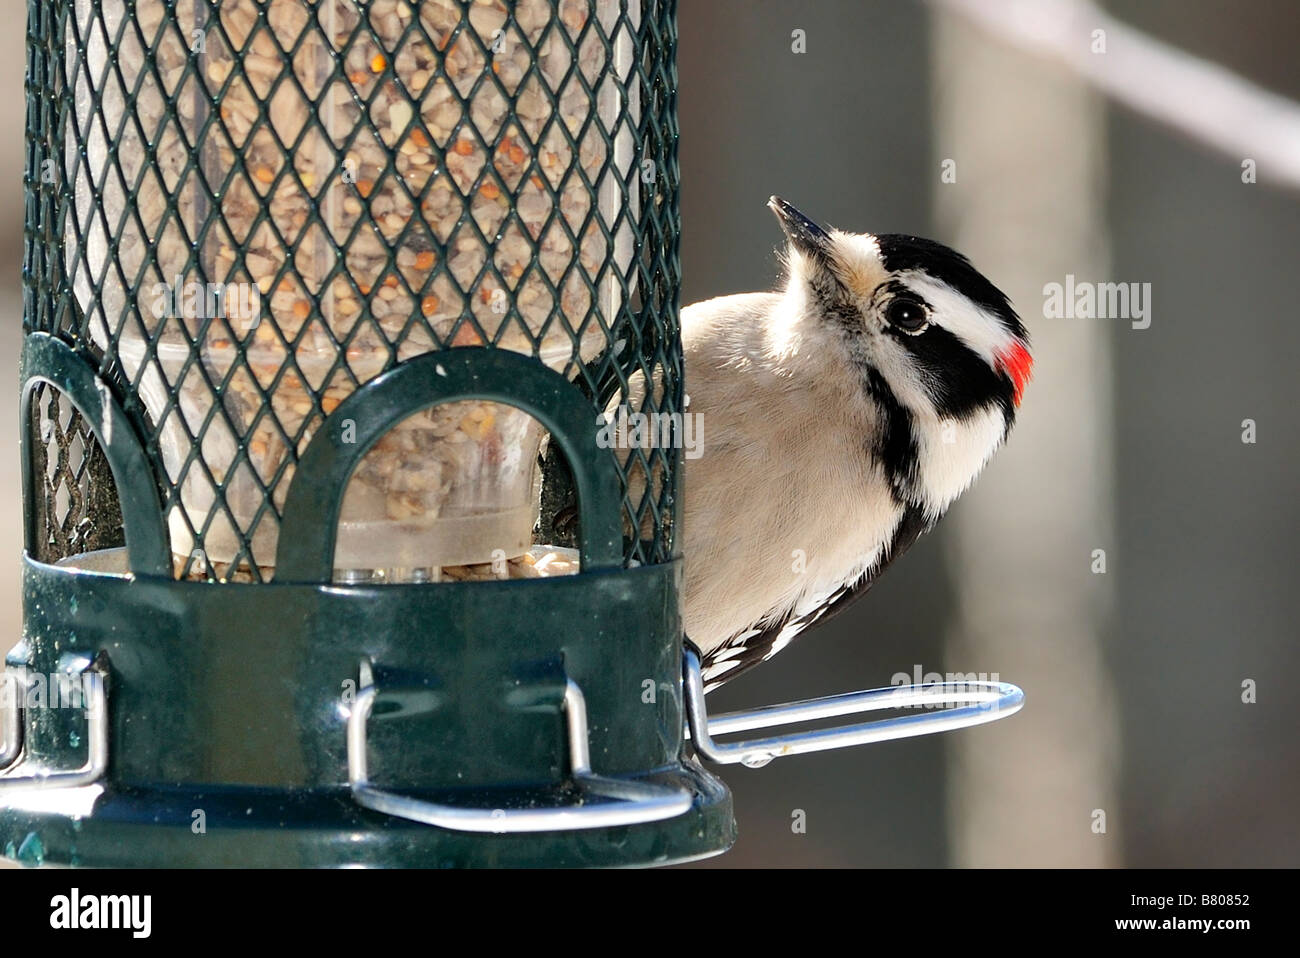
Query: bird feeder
[310, 287]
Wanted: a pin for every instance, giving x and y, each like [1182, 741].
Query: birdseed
[435, 197]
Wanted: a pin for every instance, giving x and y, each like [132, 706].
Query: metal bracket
[967, 703]
[630, 802]
[11, 731]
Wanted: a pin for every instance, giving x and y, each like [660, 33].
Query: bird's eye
[907, 314]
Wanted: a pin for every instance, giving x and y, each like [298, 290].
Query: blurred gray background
[1129, 440]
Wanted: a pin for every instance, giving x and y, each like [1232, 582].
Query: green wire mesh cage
[242, 211]
[324, 302]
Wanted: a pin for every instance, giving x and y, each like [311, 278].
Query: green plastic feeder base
[298, 722]
[269, 828]
[227, 715]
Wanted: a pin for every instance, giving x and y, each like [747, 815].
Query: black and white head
[940, 350]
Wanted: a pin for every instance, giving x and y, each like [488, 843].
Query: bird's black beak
[804, 235]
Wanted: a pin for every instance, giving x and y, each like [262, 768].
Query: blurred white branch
[1197, 98]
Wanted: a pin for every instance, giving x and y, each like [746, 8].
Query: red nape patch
[1016, 362]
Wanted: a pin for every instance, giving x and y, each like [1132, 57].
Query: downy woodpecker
[841, 418]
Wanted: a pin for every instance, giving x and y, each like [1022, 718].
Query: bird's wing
[744, 650]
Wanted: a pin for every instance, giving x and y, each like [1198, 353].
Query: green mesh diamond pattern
[241, 211]
[76, 505]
